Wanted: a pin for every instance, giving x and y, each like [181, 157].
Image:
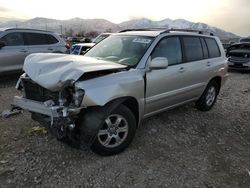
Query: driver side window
[170, 48]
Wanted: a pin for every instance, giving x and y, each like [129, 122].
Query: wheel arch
[217, 79]
[130, 102]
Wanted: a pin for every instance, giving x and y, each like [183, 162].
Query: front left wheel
[116, 132]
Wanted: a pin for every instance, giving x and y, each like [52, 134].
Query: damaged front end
[56, 110]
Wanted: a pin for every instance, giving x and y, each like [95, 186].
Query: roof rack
[144, 29]
[166, 30]
[189, 30]
[10, 29]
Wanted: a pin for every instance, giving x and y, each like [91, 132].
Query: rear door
[40, 42]
[13, 54]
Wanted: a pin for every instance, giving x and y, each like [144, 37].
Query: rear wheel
[208, 98]
[116, 133]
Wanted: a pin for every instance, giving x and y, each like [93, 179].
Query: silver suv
[16, 44]
[98, 100]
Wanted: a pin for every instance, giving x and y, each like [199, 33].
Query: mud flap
[92, 121]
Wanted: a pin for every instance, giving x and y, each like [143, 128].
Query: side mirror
[159, 63]
[2, 44]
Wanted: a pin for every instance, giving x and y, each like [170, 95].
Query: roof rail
[144, 29]
[10, 29]
[189, 30]
[166, 30]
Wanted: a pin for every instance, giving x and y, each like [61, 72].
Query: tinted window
[169, 48]
[51, 39]
[204, 48]
[193, 48]
[213, 48]
[40, 39]
[13, 39]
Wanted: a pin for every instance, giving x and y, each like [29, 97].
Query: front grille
[35, 92]
[240, 60]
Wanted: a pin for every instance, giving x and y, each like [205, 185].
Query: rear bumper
[224, 78]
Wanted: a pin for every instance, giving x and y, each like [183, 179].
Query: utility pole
[61, 29]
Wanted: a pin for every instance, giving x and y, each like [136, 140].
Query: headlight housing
[78, 96]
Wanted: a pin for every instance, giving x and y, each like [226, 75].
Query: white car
[81, 48]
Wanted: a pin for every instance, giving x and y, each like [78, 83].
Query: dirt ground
[179, 148]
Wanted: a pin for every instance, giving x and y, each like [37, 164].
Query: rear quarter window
[213, 48]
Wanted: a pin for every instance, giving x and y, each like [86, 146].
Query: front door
[13, 54]
[177, 83]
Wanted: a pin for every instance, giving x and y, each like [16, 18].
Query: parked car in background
[87, 44]
[74, 40]
[101, 37]
[245, 39]
[98, 100]
[81, 48]
[239, 56]
[16, 44]
[226, 45]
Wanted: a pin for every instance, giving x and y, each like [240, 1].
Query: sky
[230, 15]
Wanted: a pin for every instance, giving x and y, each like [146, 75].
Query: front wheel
[209, 96]
[116, 133]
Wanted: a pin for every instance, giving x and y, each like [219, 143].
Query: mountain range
[78, 25]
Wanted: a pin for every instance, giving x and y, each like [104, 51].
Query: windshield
[121, 49]
[100, 38]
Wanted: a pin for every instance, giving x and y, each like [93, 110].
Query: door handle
[23, 50]
[208, 64]
[50, 49]
[182, 69]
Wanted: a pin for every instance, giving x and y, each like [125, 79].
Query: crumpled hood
[53, 71]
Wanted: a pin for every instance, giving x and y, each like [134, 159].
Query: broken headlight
[78, 96]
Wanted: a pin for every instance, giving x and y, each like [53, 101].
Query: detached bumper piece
[57, 119]
[37, 107]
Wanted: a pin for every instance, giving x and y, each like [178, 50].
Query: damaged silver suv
[98, 100]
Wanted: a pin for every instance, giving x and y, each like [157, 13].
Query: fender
[91, 121]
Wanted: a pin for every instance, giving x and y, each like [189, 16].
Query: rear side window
[213, 48]
[193, 48]
[51, 39]
[13, 39]
[170, 48]
[39, 39]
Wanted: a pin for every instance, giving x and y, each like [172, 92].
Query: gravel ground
[179, 148]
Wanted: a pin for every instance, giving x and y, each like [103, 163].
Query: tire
[209, 96]
[116, 132]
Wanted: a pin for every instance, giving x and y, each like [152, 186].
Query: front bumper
[238, 66]
[43, 108]
[244, 68]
